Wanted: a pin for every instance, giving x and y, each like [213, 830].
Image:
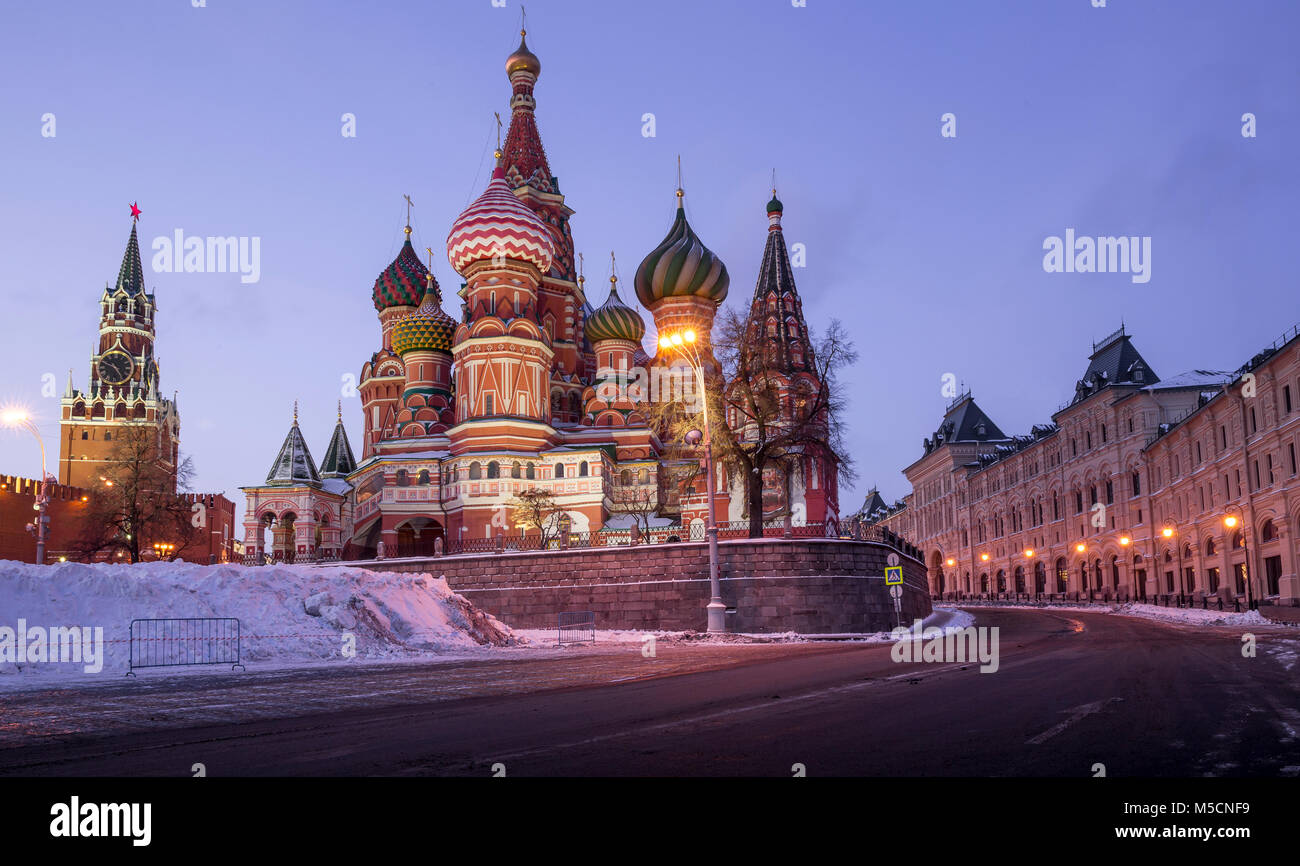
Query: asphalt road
[1073, 691]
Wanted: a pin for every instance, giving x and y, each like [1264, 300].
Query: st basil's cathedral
[522, 391]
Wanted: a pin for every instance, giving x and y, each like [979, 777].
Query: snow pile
[286, 612]
[1194, 615]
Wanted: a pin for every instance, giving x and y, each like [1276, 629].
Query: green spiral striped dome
[614, 320]
[681, 266]
[428, 329]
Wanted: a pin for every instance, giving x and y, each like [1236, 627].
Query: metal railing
[575, 627]
[157, 643]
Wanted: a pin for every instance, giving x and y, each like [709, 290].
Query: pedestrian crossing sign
[893, 575]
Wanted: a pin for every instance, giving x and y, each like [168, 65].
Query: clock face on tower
[115, 367]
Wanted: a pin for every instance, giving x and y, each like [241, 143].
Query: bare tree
[761, 419]
[535, 508]
[638, 501]
[136, 504]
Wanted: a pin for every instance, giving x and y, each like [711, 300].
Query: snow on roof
[337, 486]
[1193, 379]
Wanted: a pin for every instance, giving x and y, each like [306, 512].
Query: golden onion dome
[523, 60]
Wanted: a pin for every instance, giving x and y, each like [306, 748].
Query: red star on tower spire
[135, 212]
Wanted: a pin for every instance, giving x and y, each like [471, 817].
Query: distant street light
[20, 419]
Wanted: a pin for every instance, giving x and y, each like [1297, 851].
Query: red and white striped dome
[499, 224]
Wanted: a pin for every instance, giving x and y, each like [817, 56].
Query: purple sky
[225, 120]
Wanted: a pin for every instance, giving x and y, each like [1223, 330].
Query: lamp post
[18, 418]
[1232, 521]
[684, 343]
[1169, 531]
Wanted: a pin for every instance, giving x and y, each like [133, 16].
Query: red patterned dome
[499, 224]
[401, 284]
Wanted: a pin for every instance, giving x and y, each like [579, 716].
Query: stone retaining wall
[769, 585]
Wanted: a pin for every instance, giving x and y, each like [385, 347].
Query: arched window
[423, 480]
[108, 435]
[1268, 532]
[1238, 540]
[475, 471]
[1114, 572]
[625, 477]
[516, 471]
[559, 470]
[1210, 547]
[643, 476]
[530, 472]
[494, 469]
[582, 469]
[402, 479]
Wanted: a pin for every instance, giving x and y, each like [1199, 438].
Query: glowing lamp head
[1080, 547]
[951, 562]
[665, 343]
[1230, 521]
[1029, 552]
[689, 336]
[1167, 532]
[14, 417]
[1125, 541]
[984, 557]
[676, 339]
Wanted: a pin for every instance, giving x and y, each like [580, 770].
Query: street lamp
[684, 343]
[1169, 531]
[19, 418]
[1232, 521]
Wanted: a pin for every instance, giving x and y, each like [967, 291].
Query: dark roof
[338, 462]
[874, 503]
[1114, 361]
[130, 277]
[293, 465]
[967, 422]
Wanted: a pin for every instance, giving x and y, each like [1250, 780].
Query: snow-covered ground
[943, 617]
[287, 613]
[1188, 615]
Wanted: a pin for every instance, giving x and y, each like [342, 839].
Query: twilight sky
[226, 120]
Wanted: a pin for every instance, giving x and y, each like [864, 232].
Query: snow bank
[1194, 615]
[286, 612]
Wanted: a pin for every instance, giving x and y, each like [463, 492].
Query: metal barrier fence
[576, 627]
[157, 643]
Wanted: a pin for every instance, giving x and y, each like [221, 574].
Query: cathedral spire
[524, 157]
[776, 316]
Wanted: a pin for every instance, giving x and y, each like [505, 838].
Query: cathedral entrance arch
[417, 536]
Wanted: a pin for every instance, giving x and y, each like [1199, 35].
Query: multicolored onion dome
[401, 284]
[428, 329]
[498, 223]
[614, 320]
[775, 206]
[523, 60]
[681, 266]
